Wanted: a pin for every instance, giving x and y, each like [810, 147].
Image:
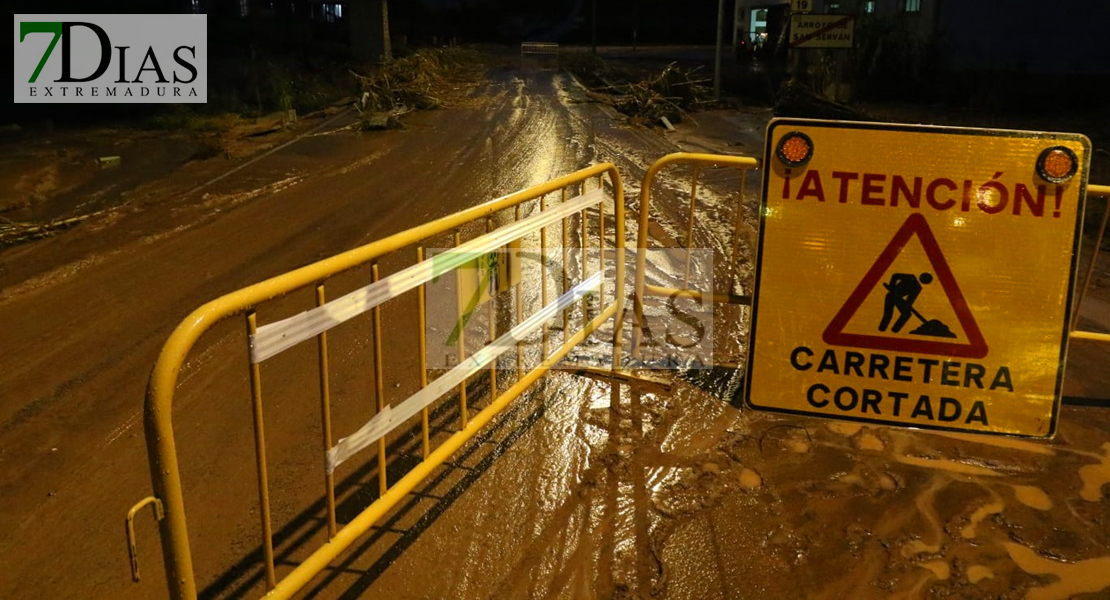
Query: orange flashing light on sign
[1057, 164]
[795, 149]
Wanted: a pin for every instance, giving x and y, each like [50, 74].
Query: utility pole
[593, 25]
[387, 45]
[720, 47]
[735, 31]
[635, 23]
[369, 29]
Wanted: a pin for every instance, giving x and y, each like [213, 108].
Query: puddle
[869, 441]
[977, 573]
[1033, 497]
[796, 446]
[1085, 576]
[951, 466]
[916, 547]
[749, 479]
[939, 568]
[845, 429]
[1095, 476]
[969, 530]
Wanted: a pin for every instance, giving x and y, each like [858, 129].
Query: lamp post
[593, 25]
[720, 47]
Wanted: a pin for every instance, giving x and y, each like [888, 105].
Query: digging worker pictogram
[902, 292]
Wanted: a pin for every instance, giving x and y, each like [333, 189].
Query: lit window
[196, 7]
[244, 7]
[911, 6]
[338, 11]
[869, 7]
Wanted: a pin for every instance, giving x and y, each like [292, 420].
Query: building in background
[985, 50]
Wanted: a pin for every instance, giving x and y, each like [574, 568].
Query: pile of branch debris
[425, 80]
[16, 232]
[797, 100]
[668, 94]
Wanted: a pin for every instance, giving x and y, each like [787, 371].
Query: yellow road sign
[916, 276]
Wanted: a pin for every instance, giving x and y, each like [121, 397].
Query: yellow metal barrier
[698, 163]
[1104, 191]
[161, 445]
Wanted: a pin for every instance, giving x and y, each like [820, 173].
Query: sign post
[916, 276]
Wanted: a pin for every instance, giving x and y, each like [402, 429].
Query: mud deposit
[687, 497]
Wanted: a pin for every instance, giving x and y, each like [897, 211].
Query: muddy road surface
[567, 496]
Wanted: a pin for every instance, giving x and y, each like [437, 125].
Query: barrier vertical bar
[566, 274]
[379, 384]
[641, 257]
[601, 246]
[422, 316]
[325, 414]
[491, 313]
[738, 222]
[519, 296]
[618, 288]
[690, 224]
[260, 461]
[543, 279]
[584, 247]
[165, 476]
[462, 339]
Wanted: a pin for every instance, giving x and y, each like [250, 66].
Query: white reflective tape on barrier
[390, 417]
[279, 336]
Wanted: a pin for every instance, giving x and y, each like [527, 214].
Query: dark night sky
[417, 22]
[1064, 37]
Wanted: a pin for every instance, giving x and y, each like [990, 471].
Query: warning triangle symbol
[933, 337]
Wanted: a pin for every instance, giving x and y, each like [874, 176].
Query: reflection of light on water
[543, 146]
[658, 477]
[952, 466]
[998, 442]
[599, 398]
